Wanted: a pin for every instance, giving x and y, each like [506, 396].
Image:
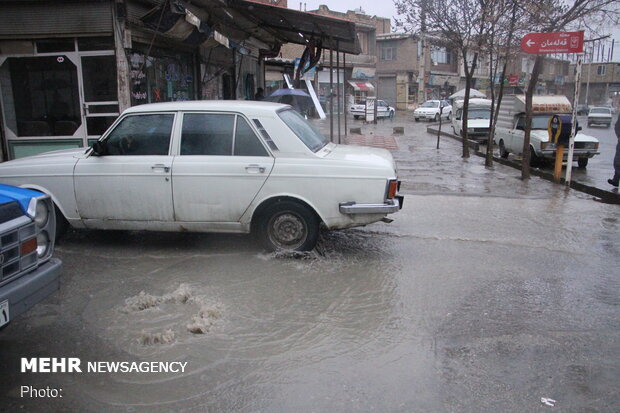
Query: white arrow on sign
[529, 43]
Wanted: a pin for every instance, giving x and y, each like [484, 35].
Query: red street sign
[513, 80]
[558, 42]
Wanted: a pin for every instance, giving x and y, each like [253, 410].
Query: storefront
[56, 93]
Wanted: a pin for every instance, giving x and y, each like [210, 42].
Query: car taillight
[393, 189]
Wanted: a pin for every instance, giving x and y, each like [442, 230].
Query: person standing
[616, 179]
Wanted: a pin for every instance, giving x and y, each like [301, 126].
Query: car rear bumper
[24, 292]
[388, 207]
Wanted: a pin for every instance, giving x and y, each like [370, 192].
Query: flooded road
[484, 294]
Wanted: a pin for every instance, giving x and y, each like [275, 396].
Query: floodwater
[467, 303]
[484, 294]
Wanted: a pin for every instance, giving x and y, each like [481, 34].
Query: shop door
[100, 93]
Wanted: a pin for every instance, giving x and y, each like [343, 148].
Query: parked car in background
[478, 119]
[216, 166]
[510, 132]
[28, 273]
[600, 116]
[383, 110]
[431, 110]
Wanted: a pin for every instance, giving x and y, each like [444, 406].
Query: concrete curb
[604, 196]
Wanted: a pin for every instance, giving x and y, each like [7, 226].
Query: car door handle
[161, 166]
[253, 167]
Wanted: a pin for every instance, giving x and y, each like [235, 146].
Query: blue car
[28, 273]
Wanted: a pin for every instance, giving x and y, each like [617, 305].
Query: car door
[221, 166]
[130, 179]
[382, 109]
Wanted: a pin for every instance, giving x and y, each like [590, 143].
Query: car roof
[600, 107]
[245, 106]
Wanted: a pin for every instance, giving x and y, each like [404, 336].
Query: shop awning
[262, 25]
[362, 86]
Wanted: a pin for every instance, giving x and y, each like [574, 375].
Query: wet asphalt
[486, 293]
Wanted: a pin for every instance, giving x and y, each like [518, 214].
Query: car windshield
[479, 114]
[310, 136]
[430, 104]
[538, 122]
[600, 110]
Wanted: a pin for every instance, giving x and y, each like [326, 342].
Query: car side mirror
[98, 148]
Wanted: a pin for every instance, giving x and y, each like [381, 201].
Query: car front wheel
[582, 162]
[437, 117]
[289, 226]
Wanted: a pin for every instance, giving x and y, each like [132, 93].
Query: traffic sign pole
[571, 144]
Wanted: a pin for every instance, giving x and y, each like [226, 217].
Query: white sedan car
[383, 110]
[215, 166]
[433, 110]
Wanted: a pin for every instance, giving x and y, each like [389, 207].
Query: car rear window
[308, 134]
[600, 110]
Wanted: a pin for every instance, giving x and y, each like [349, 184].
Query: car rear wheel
[289, 226]
[582, 162]
[356, 116]
[502, 150]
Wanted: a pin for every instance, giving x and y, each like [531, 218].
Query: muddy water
[464, 303]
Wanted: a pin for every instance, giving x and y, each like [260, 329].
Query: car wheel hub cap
[288, 230]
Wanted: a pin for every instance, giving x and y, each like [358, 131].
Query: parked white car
[215, 166]
[383, 110]
[478, 119]
[600, 115]
[431, 110]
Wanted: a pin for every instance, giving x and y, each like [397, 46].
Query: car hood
[22, 196]
[363, 156]
[543, 136]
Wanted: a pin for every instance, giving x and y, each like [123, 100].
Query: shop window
[162, 76]
[207, 134]
[55, 45]
[99, 76]
[41, 96]
[86, 44]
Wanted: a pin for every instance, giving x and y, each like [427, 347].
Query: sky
[386, 8]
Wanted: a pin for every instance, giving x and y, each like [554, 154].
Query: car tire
[417, 119]
[589, 124]
[391, 114]
[436, 117]
[289, 226]
[503, 153]
[449, 116]
[356, 116]
[582, 162]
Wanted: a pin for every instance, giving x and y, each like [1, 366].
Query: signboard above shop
[556, 42]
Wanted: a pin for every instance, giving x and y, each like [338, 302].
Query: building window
[388, 53]
[601, 70]
[441, 55]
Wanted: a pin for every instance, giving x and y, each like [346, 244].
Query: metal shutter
[35, 19]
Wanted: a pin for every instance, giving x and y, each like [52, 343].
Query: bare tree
[459, 24]
[506, 22]
[559, 15]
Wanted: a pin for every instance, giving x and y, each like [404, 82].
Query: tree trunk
[488, 161]
[531, 87]
[469, 74]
